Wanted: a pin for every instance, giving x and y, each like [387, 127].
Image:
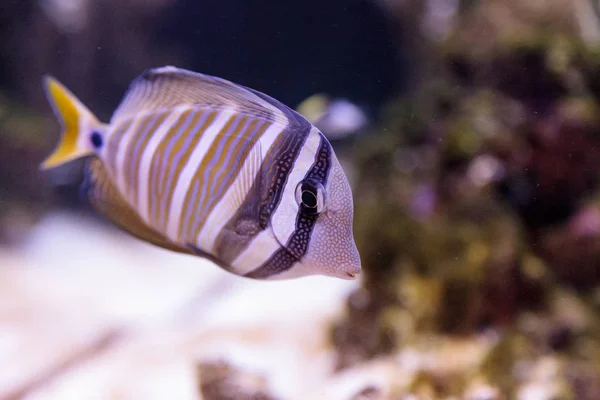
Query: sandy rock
[124, 320]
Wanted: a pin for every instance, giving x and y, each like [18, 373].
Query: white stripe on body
[223, 212]
[102, 153]
[283, 219]
[120, 161]
[143, 170]
[187, 173]
[259, 250]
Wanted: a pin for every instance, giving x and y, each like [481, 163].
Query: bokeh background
[470, 131]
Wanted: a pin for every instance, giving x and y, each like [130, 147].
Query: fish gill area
[477, 216]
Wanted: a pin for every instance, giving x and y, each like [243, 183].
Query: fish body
[200, 165]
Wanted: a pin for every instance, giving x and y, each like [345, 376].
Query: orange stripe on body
[113, 145]
[197, 177]
[134, 185]
[227, 168]
[162, 215]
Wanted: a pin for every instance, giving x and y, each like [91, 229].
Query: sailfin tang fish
[200, 165]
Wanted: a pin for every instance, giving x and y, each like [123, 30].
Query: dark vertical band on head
[285, 257]
[265, 194]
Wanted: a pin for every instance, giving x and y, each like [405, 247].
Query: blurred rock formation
[476, 201]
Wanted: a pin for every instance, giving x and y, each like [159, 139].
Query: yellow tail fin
[77, 123]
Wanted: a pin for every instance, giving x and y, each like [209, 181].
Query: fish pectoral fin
[233, 239]
[247, 228]
[246, 187]
[105, 198]
[169, 87]
[244, 205]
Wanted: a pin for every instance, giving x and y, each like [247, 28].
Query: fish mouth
[351, 275]
[350, 271]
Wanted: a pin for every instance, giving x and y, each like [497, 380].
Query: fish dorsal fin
[167, 87]
[105, 198]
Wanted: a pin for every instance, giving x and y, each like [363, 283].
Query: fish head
[332, 250]
[324, 209]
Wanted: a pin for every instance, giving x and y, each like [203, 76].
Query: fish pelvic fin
[77, 123]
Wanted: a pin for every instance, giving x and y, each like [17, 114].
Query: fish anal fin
[105, 198]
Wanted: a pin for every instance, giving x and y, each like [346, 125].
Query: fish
[203, 166]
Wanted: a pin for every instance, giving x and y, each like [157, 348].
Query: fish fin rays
[247, 184]
[75, 120]
[105, 198]
[244, 206]
[245, 199]
[169, 87]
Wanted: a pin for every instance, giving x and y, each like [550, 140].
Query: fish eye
[310, 197]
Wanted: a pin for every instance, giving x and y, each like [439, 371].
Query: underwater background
[470, 133]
